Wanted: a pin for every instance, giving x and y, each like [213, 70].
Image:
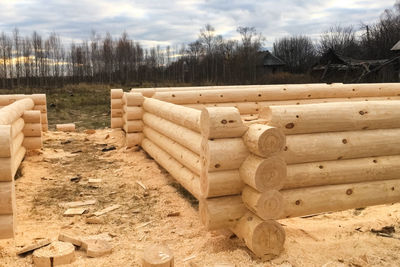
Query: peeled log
[32, 130]
[17, 143]
[316, 147]
[133, 139]
[17, 127]
[44, 118]
[263, 173]
[133, 99]
[14, 111]
[116, 123]
[147, 92]
[67, 127]
[183, 155]
[264, 140]
[132, 113]
[6, 226]
[32, 116]
[267, 205]
[31, 143]
[186, 117]
[221, 122]
[45, 127]
[116, 103]
[9, 166]
[5, 141]
[180, 134]
[157, 256]
[312, 200]
[7, 198]
[265, 239]
[41, 108]
[333, 117]
[221, 183]
[117, 113]
[221, 212]
[342, 171]
[117, 93]
[184, 176]
[133, 126]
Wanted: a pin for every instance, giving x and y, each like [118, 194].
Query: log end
[157, 255]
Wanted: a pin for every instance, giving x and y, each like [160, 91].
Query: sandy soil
[334, 239]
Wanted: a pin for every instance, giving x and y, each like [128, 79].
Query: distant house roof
[271, 60]
[396, 47]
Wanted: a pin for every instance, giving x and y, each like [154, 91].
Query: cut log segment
[333, 117]
[180, 134]
[116, 104]
[342, 171]
[221, 183]
[265, 239]
[7, 198]
[306, 201]
[186, 117]
[5, 141]
[264, 140]
[117, 93]
[31, 143]
[14, 111]
[132, 113]
[221, 212]
[72, 238]
[32, 130]
[184, 176]
[117, 113]
[157, 256]
[41, 108]
[133, 139]
[221, 122]
[116, 123]
[135, 126]
[133, 99]
[57, 253]
[183, 155]
[147, 92]
[67, 127]
[305, 148]
[7, 226]
[267, 205]
[97, 248]
[38, 99]
[32, 116]
[263, 173]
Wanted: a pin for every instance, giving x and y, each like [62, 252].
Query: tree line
[37, 61]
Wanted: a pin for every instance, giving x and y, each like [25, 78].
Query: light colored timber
[43, 118]
[32, 130]
[221, 212]
[317, 199]
[116, 93]
[41, 108]
[132, 113]
[265, 239]
[5, 141]
[186, 117]
[267, 205]
[14, 111]
[117, 113]
[9, 166]
[17, 143]
[157, 256]
[45, 127]
[221, 122]
[67, 127]
[184, 136]
[38, 99]
[184, 176]
[31, 143]
[263, 173]
[342, 171]
[133, 139]
[6, 226]
[116, 103]
[7, 198]
[57, 253]
[221, 183]
[133, 126]
[133, 99]
[32, 116]
[264, 140]
[304, 148]
[117, 123]
[146, 92]
[183, 155]
[17, 127]
[333, 117]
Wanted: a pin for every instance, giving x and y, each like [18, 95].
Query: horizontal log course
[303, 148]
[41, 108]
[117, 113]
[132, 99]
[186, 117]
[133, 139]
[223, 154]
[267, 205]
[6, 226]
[5, 141]
[264, 173]
[133, 126]
[333, 117]
[38, 99]
[184, 176]
[342, 171]
[14, 111]
[32, 116]
[116, 93]
[17, 143]
[66, 127]
[184, 136]
[44, 119]
[45, 127]
[221, 183]
[223, 122]
[132, 113]
[7, 198]
[117, 123]
[264, 140]
[146, 92]
[221, 212]
[279, 92]
[184, 156]
[32, 130]
[116, 103]
[317, 199]
[9, 166]
[31, 143]
[265, 239]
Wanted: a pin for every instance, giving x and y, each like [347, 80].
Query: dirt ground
[165, 213]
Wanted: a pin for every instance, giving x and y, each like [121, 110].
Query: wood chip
[75, 211]
[104, 211]
[189, 258]
[72, 238]
[141, 185]
[75, 204]
[143, 225]
[94, 220]
[173, 214]
[94, 181]
[36, 244]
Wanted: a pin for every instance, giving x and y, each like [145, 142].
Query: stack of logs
[132, 118]
[20, 130]
[116, 108]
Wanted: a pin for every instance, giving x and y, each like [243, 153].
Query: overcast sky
[175, 22]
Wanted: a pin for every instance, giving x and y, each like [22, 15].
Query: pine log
[342, 171]
[117, 123]
[116, 93]
[45, 127]
[17, 127]
[186, 117]
[181, 154]
[135, 126]
[264, 140]
[265, 239]
[221, 122]
[263, 173]
[132, 113]
[116, 103]
[317, 199]
[180, 134]
[6, 226]
[43, 118]
[31, 143]
[57, 253]
[221, 183]
[38, 99]
[7, 198]
[146, 92]
[133, 99]
[17, 143]
[41, 108]
[333, 117]
[32, 116]
[14, 111]
[184, 176]
[32, 130]
[67, 127]
[5, 141]
[267, 205]
[117, 113]
[157, 256]
[133, 139]
[316, 147]
[221, 212]
[6, 100]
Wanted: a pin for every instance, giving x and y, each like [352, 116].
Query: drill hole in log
[349, 192]
[297, 116]
[217, 165]
[289, 125]
[298, 202]
[285, 148]
[320, 166]
[344, 141]
[173, 95]
[259, 95]
[375, 161]
[392, 188]
[224, 121]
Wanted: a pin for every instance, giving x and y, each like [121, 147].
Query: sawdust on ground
[166, 213]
